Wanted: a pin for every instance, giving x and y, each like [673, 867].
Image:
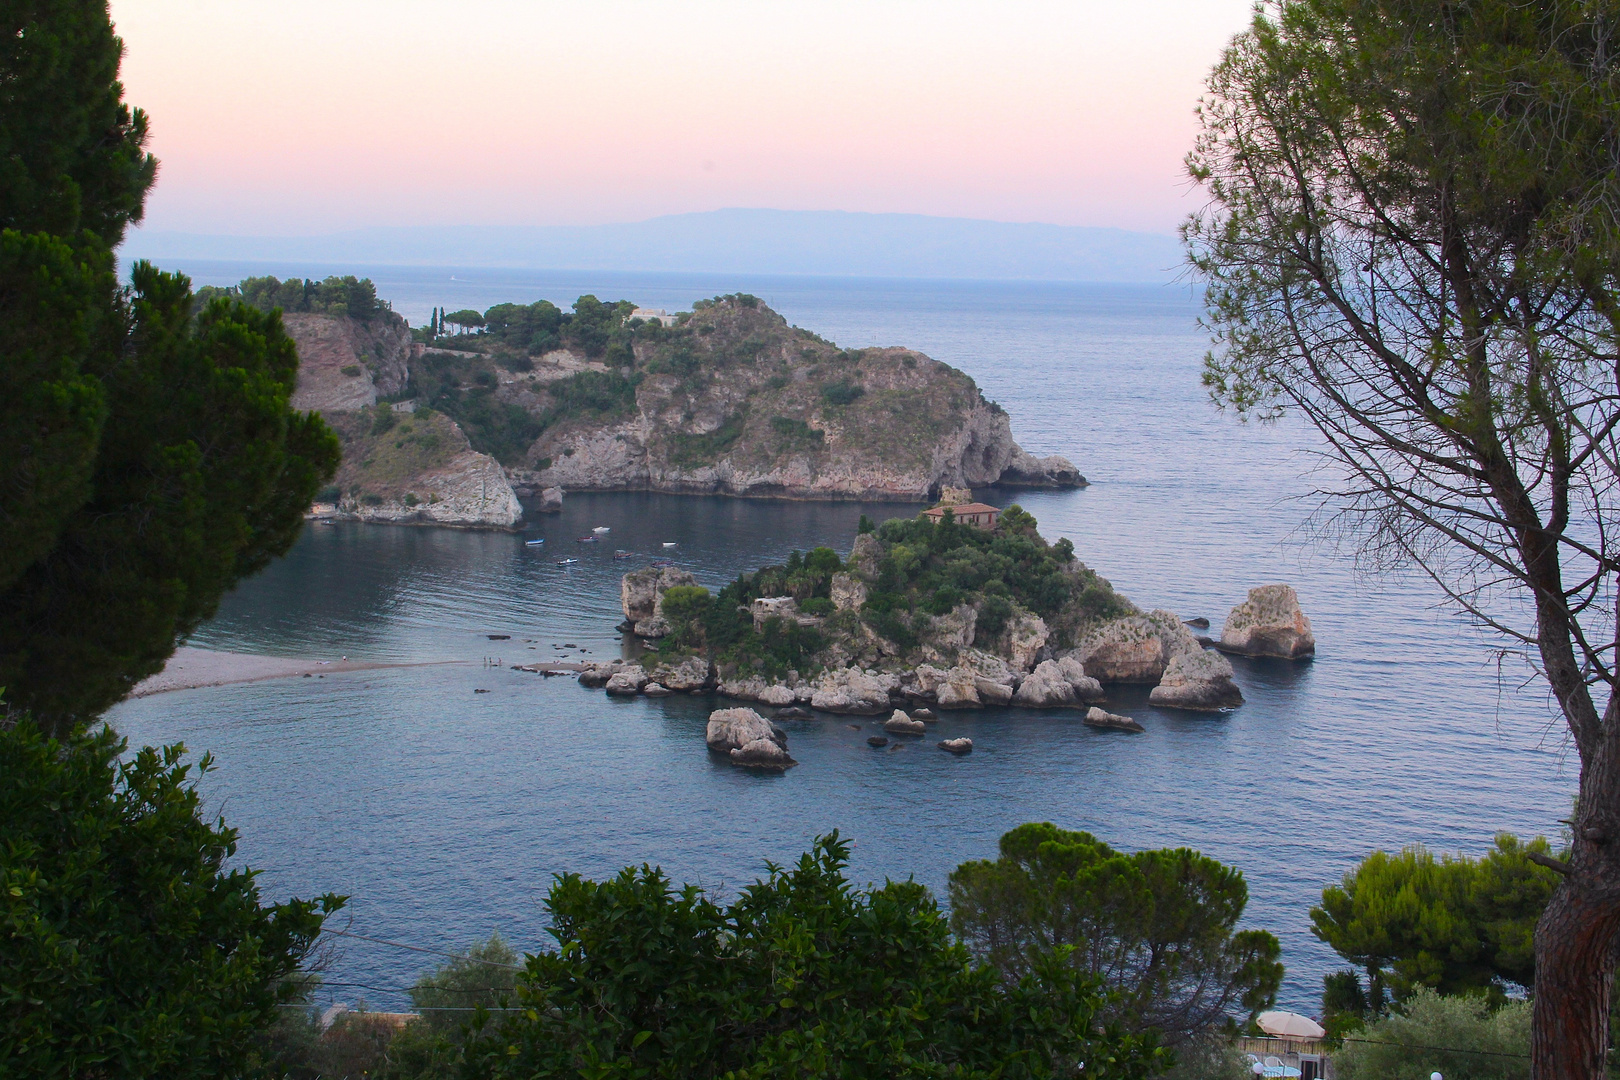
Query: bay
[443, 813]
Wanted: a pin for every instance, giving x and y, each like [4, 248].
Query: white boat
[669, 543]
[534, 543]
[566, 562]
[600, 529]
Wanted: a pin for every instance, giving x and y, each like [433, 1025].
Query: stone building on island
[974, 513]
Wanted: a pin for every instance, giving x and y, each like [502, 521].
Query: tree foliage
[1159, 928]
[802, 976]
[1414, 241]
[347, 295]
[130, 949]
[148, 458]
[1454, 924]
[72, 155]
[201, 476]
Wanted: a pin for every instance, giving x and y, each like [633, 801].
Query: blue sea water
[444, 813]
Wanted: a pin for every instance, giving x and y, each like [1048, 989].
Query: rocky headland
[922, 616]
[534, 401]
[402, 465]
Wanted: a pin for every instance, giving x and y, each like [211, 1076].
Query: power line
[420, 949]
[1445, 1049]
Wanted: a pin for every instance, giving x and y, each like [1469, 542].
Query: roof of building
[967, 508]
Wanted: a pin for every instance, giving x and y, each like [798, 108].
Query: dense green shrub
[1460, 1037]
[127, 948]
[842, 392]
[803, 975]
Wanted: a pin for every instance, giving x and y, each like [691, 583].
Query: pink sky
[305, 117]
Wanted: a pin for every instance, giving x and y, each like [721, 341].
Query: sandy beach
[190, 668]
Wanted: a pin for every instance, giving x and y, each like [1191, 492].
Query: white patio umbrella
[1289, 1025]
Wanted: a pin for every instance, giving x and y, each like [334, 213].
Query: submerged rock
[1269, 623]
[793, 713]
[956, 746]
[653, 689]
[1098, 718]
[1200, 681]
[877, 740]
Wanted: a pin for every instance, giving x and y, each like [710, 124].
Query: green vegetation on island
[914, 584]
[336, 296]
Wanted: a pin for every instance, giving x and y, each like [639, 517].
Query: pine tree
[148, 457]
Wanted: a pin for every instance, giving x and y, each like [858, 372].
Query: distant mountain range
[724, 241]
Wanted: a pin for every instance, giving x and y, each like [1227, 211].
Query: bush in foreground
[1461, 1037]
[804, 975]
[126, 946]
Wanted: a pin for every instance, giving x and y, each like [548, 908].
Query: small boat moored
[669, 543]
[534, 543]
[621, 554]
[600, 529]
[585, 540]
[566, 562]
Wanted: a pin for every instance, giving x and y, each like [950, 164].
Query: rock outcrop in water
[1269, 623]
[748, 739]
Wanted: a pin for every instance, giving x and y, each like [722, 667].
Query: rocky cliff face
[400, 468]
[734, 401]
[345, 364]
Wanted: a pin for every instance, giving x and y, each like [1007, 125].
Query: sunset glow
[305, 117]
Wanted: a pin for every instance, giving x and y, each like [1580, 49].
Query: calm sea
[444, 813]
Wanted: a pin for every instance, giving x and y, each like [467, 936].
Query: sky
[304, 117]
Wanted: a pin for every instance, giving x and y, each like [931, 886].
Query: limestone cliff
[732, 400]
[416, 468]
[346, 364]
[401, 468]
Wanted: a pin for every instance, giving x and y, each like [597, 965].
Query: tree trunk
[1574, 971]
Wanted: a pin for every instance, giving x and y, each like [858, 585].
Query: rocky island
[449, 428]
[923, 614]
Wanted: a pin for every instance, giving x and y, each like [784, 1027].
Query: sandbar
[190, 668]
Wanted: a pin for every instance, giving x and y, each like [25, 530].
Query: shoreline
[192, 668]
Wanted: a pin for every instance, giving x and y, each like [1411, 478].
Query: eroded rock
[641, 594]
[901, 724]
[685, 673]
[850, 690]
[1135, 649]
[956, 746]
[848, 592]
[627, 682]
[1200, 681]
[1269, 623]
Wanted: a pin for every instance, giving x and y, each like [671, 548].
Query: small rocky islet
[928, 613]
